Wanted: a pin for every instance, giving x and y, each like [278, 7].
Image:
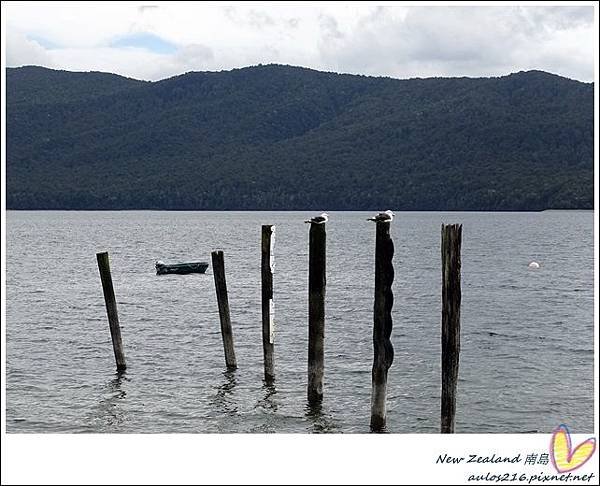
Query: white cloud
[391, 41]
[23, 51]
[456, 41]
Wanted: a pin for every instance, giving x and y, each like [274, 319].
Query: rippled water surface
[527, 335]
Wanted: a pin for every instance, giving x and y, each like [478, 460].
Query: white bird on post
[385, 216]
[322, 218]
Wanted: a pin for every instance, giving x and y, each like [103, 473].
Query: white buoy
[534, 265]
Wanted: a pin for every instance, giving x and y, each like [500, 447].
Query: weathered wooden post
[316, 311]
[382, 323]
[451, 296]
[111, 309]
[218, 264]
[268, 330]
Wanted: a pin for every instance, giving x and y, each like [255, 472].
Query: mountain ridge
[293, 66]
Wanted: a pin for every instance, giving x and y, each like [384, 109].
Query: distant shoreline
[310, 210]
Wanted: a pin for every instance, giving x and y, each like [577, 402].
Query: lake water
[526, 363]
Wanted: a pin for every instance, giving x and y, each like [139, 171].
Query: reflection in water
[321, 422]
[382, 430]
[267, 402]
[222, 402]
[268, 406]
[110, 413]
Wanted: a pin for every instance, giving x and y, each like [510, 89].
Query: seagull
[385, 216]
[322, 218]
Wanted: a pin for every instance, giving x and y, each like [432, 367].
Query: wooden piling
[218, 265]
[111, 309]
[316, 311]
[382, 323]
[268, 329]
[451, 297]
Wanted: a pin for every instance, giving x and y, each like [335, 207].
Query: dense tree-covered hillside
[280, 137]
[33, 85]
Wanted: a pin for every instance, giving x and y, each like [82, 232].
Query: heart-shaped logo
[564, 457]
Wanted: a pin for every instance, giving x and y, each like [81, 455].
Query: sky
[157, 40]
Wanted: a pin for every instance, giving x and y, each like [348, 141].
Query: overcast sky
[155, 41]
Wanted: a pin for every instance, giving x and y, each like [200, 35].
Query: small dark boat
[180, 268]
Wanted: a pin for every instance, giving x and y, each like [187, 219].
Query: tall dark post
[382, 323]
[316, 311]
[451, 296]
[268, 330]
[218, 264]
[111, 309]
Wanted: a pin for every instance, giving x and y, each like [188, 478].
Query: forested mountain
[281, 137]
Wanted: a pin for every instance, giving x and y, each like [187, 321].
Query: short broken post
[111, 309]
[316, 311]
[218, 265]
[382, 324]
[451, 297]
[268, 330]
